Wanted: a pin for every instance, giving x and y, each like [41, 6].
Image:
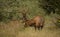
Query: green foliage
[50, 5]
[11, 9]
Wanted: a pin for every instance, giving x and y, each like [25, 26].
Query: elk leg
[41, 27]
[35, 27]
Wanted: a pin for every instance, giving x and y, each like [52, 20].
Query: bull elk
[37, 22]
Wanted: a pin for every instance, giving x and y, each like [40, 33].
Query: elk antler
[24, 12]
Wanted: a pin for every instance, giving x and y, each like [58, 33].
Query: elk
[37, 22]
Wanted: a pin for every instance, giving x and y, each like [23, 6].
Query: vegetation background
[11, 18]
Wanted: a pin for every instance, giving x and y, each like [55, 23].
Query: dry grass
[9, 29]
[15, 29]
[42, 33]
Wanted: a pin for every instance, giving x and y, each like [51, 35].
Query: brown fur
[37, 22]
